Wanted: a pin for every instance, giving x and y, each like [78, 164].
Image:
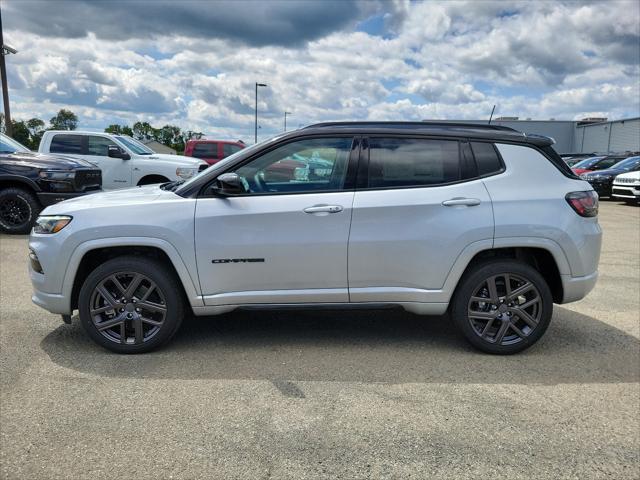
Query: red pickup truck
[212, 151]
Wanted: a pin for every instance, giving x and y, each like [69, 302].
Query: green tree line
[169, 135]
[29, 132]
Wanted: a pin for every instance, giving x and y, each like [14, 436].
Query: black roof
[446, 129]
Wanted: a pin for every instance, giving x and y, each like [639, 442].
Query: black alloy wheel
[18, 210]
[502, 306]
[131, 304]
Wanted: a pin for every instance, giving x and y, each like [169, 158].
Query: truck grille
[87, 180]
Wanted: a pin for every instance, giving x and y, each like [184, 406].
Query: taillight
[584, 203]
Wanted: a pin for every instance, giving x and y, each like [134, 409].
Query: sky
[195, 63]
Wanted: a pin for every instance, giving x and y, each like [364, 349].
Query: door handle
[323, 209]
[467, 202]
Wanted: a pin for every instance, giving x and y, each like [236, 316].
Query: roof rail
[408, 125]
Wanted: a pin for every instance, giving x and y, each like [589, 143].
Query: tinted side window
[395, 162]
[486, 157]
[66, 144]
[99, 146]
[228, 149]
[205, 150]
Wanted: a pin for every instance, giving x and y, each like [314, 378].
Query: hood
[609, 172]
[176, 159]
[47, 161]
[125, 197]
[631, 175]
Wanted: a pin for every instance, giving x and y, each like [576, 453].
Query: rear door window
[205, 150]
[410, 162]
[71, 144]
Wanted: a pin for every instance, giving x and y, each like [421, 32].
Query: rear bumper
[576, 288]
[47, 199]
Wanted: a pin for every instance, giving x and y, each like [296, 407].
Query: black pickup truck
[30, 181]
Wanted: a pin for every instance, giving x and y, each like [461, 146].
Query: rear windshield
[587, 162]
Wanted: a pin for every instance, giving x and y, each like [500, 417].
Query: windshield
[221, 165]
[9, 145]
[587, 162]
[628, 164]
[135, 146]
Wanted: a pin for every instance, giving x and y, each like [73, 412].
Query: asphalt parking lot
[380, 394]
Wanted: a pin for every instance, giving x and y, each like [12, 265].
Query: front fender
[190, 285]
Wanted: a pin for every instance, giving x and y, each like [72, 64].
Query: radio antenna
[491, 116]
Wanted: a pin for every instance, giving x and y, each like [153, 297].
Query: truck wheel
[19, 209]
[131, 304]
[502, 307]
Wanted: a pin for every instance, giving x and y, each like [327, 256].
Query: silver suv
[483, 222]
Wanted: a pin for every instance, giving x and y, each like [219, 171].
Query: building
[158, 147]
[579, 136]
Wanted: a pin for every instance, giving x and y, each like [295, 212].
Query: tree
[144, 131]
[20, 133]
[36, 129]
[64, 120]
[119, 129]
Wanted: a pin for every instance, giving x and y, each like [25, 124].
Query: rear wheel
[131, 305]
[503, 307]
[19, 209]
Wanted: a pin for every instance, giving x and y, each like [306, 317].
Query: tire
[19, 209]
[150, 316]
[521, 319]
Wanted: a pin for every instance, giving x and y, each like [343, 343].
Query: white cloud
[431, 60]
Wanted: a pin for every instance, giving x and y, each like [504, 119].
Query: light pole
[285, 120]
[256, 122]
[5, 50]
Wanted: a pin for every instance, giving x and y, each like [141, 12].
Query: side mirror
[229, 184]
[116, 152]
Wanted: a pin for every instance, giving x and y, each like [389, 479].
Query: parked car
[626, 186]
[212, 151]
[31, 181]
[597, 163]
[572, 158]
[481, 221]
[124, 161]
[602, 180]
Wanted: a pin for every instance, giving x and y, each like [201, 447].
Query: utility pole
[3, 73]
[256, 116]
[285, 120]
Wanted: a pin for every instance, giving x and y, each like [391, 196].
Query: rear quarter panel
[529, 202]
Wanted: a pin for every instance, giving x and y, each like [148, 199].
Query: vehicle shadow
[387, 346]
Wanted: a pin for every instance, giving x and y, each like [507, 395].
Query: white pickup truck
[124, 161]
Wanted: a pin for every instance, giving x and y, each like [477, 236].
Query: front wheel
[131, 304]
[502, 307]
[19, 209]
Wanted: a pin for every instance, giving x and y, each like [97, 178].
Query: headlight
[186, 173]
[57, 175]
[51, 223]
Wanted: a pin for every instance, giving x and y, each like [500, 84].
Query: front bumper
[47, 198]
[52, 302]
[626, 191]
[602, 188]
